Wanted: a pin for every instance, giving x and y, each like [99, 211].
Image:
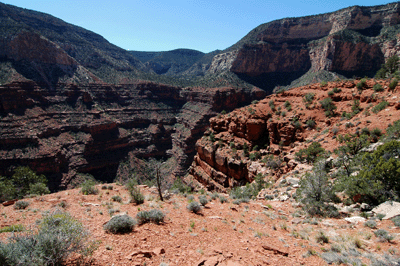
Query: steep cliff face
[262, 138]
[351, 41]
[92, 129]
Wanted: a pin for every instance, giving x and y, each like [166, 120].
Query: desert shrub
[329, 107]
[393, 84]
[180, 187]
[323, 84]
[58, 236]
[379, 107]
[311, 123]
[152, 216]
[321, 238]
[203, 200]
[272, 162]
[21, 204]
[287, 105]
[239, 201]
[310, 154]
[355, 107]
[249, 191]
[88, 188]
[396, 221]
[194, 207]
[222, 199]
[360, 85]
[370, 224]
[136, 196]
[12, 228]
[378, 87]
[393, 131]
[271, 104]
[336, 90]
[316, 191]
[120, 224]
[389, 68]
[383, 235]
[116, 198]
[214, 196]
[38, 189]
[104, 187]
[309, 97]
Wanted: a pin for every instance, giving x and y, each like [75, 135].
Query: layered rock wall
[92, 129]
[348, 41]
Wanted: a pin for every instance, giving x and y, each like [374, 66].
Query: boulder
[389, 208]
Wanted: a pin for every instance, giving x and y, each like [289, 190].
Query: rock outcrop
[351, 41]
[263, 137]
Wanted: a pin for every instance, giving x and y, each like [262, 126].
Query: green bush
[21, 204]
[329, 107]
[378, 87]
[136, 196]
[377, 181]
[38, 189]
[58, 236]
[309, 97]
[287, 105]
[152, 216]
[321, 238]
[194, 207]
[310, 154]
[271, 104]
[20, 184]
[180, 187]
[7, 190]
[120, 224]
[389, 68]
[379, 107]
[360, 85]
[311, 123]
[392, 131]
[12, 228]
[88, 188]
[316, 192]
[393, 84]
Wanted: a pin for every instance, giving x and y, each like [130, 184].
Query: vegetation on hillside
[369, 177]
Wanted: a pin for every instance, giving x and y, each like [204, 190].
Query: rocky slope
[72, 129]
[351, 41]
[47, 50]
[275, 128]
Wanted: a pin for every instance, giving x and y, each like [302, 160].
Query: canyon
[71, 103]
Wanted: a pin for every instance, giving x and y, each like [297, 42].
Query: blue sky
[156, 25]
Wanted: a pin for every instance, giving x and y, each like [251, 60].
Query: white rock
[389, 208]
[283, 197]
[355, 219]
